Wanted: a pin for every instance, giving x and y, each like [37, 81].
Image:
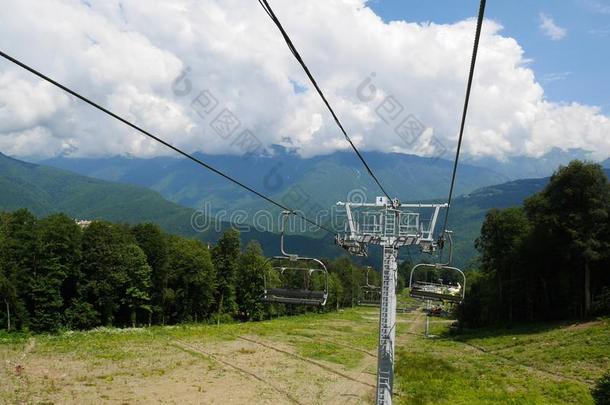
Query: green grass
[580, 351]
[554, 363]
[330, 352]
[443, 373]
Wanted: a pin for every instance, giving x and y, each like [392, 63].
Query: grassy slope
[46, 190]
[536, 364]
[533, 364]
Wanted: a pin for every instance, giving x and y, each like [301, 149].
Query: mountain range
[45, 190]
[322, 180]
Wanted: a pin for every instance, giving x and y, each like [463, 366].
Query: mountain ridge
[326, 178]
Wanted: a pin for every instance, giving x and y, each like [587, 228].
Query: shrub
[82, 315]
[601, 391]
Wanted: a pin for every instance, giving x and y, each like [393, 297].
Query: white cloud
[125, 55]
[551, 29]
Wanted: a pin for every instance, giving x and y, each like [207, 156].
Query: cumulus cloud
[551, 29]
[230, 58]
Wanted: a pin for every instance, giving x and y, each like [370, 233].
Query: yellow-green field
[310, 359]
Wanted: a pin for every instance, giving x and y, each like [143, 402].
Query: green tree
[225, 256]
[20, 262]
[250, 282]
[153, 242]
[54, 282]
[349, 279]
[136, 294]
[335, 291]
[9, 296]
[192, 280]
[501, 247]
[104, 273]
[548, 260]
[8, 292]
[572, 213]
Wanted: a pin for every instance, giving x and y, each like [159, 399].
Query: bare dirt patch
[297, 379]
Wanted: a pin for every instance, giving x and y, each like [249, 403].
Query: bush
[601, 391]
[82, 315]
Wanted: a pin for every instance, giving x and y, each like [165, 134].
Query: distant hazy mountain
[321, 180]
[525, 167]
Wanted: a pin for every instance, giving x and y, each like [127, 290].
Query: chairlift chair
[438, 291]
[370, 295]
[295, 264]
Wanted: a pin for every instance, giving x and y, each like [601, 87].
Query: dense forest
[55, 274]
[546, 260]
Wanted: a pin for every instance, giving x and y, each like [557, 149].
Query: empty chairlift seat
[437, 291]
[370, 295]
[294, 296]
[295, 282]
[297, 276]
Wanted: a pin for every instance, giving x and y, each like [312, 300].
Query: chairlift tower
[391, 225]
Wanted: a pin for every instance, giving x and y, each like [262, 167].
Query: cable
[473, 61]
[148, 134]
[265, 5]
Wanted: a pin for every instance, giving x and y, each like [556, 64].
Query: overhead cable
[163, 142]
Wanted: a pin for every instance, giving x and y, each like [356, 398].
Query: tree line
[548, 259]
[55, 274]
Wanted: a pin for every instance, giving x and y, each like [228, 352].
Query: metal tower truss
[385, 223]
[391, 225]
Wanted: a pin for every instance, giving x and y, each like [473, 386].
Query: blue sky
[573, 68]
